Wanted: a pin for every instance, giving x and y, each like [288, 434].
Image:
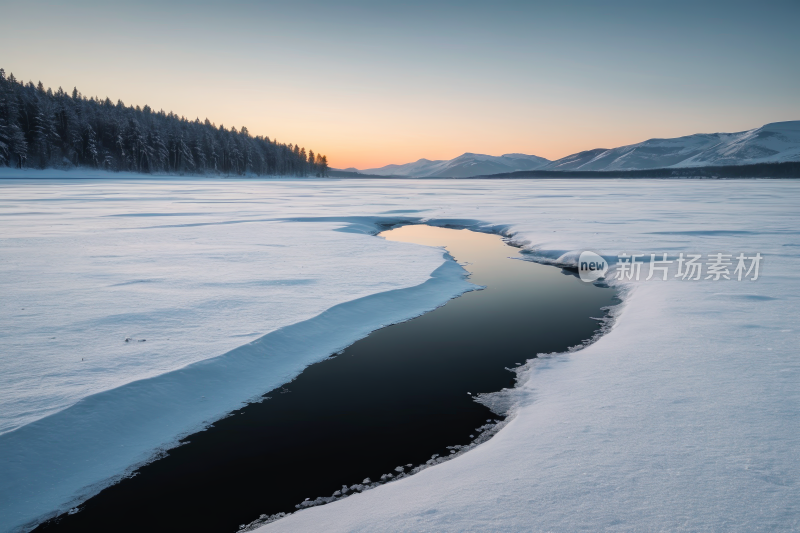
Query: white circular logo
[591, 266]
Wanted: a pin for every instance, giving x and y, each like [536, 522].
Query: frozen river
[684, 416]
[400, 400]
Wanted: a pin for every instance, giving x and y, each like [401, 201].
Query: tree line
[42, 128]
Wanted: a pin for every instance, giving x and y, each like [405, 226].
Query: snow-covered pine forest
[42, 128]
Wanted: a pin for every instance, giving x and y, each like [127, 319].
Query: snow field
[683, 417]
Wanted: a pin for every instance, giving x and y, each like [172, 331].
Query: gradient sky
[372, 83]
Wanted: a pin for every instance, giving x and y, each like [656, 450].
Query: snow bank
[74, 173]
[95, 440]
[684, 416]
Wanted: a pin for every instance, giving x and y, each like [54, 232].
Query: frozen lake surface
[685, 416]
[394, 402]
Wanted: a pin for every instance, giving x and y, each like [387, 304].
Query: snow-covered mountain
[575, 160]
[772, 143]
[463, 166]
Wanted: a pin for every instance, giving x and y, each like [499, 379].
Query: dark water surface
[392, 399]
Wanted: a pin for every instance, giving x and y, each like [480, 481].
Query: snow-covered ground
[684, 417]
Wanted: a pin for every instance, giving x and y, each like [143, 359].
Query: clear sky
[374, 82]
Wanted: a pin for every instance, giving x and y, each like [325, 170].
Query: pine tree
[19, 146]
[59, 128]
[5, 139]
[45, 134]
[91, 155]
[4, 142]
[323, 166]
[187, 161]
[160, 151]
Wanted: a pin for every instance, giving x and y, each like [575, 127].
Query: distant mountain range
[463, 166]
[772, 143]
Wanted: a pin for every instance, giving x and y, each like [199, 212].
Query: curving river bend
[396, 399]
